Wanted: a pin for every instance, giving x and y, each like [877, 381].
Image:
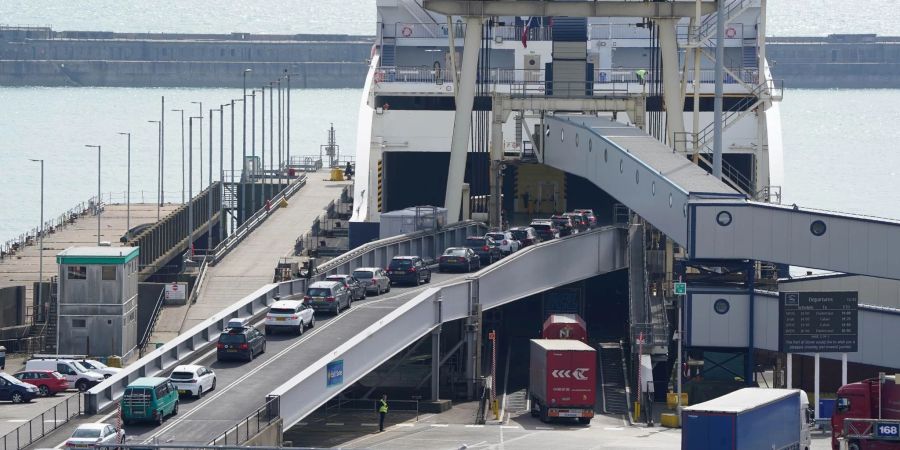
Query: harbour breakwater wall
[39, 56]
[836, 61]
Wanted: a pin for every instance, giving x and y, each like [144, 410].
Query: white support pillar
[790, 371]
[494, 203]
[462, 121]
[668, 47]
[843, 369]
[816, 387]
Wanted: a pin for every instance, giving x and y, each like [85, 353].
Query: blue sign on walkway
[334, 373]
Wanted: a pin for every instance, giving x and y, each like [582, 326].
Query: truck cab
[860, 400]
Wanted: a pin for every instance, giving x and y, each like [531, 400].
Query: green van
[149, 399]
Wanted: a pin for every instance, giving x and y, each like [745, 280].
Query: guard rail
[587, 254]
[198, 339]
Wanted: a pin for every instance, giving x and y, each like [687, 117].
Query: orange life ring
[407, 31]
[730, 32]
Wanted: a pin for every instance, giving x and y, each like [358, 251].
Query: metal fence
[250, 426]
[43, 424]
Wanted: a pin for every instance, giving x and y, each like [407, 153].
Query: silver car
[88, 435]
[374, 279]
[328, 296]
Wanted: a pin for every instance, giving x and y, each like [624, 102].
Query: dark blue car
[11, 389]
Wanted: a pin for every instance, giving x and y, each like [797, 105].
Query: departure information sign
[818, 322]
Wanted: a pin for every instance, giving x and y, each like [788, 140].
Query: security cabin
[98, 300]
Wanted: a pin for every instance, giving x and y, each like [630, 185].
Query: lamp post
[253, 151]
[209, 197]
[159, 170]
[272, 128]
[182, 152]
[191, 186]
[243, 202]
[201, 141]
[128, 188]
[98, 193]
[233, 186]
[263, 133]
[41, 255]
[222, 172]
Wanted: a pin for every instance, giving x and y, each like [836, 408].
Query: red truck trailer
[867, 415]
[563, 379]
[564, 326]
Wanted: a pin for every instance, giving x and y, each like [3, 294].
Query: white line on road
[544, 428]
[613, 428]
[510, 427]
[334, 424]
[440, 425]
[368, 424]
[474, 426]
[405, 425]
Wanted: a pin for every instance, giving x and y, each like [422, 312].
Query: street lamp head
[36, 160]
[248, 70]
[178, 110]
[124, 133]
[152, 121]
[92, 146]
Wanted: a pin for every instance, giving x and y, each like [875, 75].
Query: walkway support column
[668, 46]
[462, 121]
[435, 363]
[495, 205]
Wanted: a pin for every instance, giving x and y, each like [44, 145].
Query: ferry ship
[406, 112]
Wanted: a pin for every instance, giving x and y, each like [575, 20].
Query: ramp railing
[588, 254]
[201, 337]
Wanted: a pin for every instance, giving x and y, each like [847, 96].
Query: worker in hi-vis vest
[382, 411]
[641, 75]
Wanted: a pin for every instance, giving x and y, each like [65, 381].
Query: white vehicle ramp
[706, 216]
[375, 340]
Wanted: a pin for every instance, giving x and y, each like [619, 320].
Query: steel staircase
[613, 390]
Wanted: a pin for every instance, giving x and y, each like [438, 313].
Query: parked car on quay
[564, 224]
[329, 296]
[99, 367]
[589, 215]
[89, 435]
[357, 289]
[545, 229]
[485, 247]
[505, 240]
[240, 341]
[289, 315]
[375, 279]
[459, 258]
[408, 269]
[76, 373]
[525, 235]
[193, 379]
[14, 390]
[48, 382]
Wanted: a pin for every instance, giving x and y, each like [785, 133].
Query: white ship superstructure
[406, 112]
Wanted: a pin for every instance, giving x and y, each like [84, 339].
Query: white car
[193, 379]
[505, 240]
[99, 367]
[290, 315]
[89, 434]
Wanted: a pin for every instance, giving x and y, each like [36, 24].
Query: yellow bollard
[495, 407]
[637, 410]
[283, 203]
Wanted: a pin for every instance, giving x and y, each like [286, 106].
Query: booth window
[108, 273]
[77, 273]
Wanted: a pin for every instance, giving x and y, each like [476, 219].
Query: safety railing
[32, 236]
[254, 221]
[196, 340]
[154, 316]
[248, 427]
[43, 424]
[588, 254]
[442, 31]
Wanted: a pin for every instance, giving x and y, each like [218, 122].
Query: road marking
[440, 425]
[334, 424]
[510, 427]
[17, 420]
[613, 428]
[544, 428]
[474, 426]
[368, 424]
[405, 425]
[306, 336]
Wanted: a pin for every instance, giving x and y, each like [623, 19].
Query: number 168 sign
[888, 430]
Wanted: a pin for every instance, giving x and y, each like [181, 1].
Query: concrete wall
[177, 74]
[12, 306]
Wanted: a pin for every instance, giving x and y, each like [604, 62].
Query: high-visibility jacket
[383, 408]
